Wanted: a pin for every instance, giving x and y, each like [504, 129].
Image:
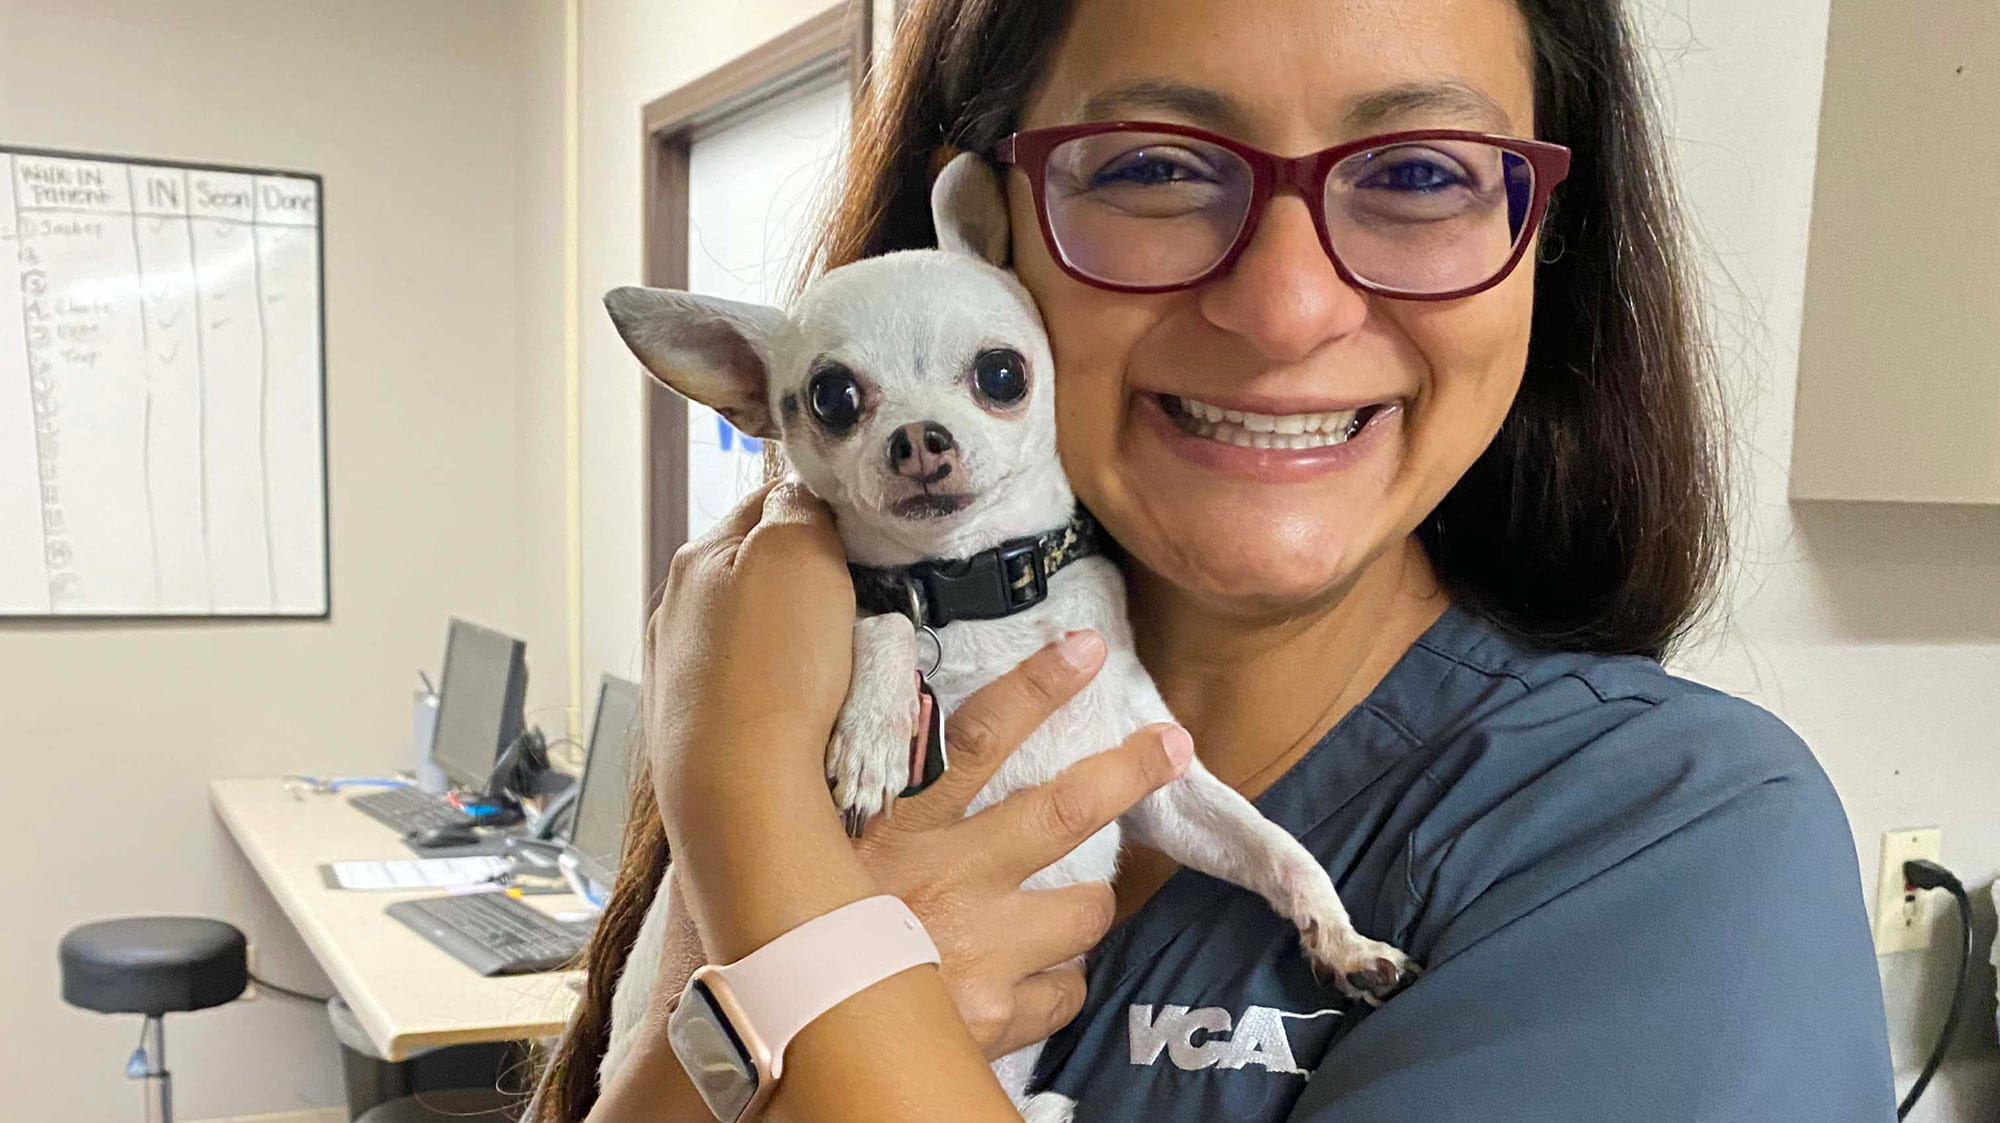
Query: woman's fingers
[730, 530]
[794, 525]
[1050, 927]
[1032, 828]
[1043, 1003]
[789, 503]
[993, 722]
[745, 514]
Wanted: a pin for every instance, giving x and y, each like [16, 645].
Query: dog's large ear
[969, 209]
[715, 351]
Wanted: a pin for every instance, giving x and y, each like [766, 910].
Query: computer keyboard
[494, 934]
[404, 810]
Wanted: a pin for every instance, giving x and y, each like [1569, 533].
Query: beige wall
[540, 426]
[1874, 629]
[440, 439]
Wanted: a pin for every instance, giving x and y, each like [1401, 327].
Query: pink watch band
[782, 986]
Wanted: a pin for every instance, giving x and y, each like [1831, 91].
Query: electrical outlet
[1904, 916]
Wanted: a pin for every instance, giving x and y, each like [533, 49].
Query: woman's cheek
[1475, 352]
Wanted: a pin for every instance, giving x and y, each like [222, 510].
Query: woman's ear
[714, 351]
[969, 209]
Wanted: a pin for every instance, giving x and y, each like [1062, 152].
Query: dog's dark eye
[1001, 375]
[835, 398]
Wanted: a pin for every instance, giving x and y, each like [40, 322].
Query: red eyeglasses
[1139, 206]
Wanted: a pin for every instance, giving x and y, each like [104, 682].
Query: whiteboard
[162, 389]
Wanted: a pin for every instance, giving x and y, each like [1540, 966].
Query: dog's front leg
[1203, 823]
[868, 760]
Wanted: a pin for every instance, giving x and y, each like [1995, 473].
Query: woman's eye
[835, 398]
[1000, 375]
[1414, 175]
[1148, 167]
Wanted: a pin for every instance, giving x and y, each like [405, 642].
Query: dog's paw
[1361, 968]
[868, 762]
[1047, 1107]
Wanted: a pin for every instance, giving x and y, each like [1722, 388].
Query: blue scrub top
[1635, 897]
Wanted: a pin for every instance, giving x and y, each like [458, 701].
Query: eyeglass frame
[1029, 149]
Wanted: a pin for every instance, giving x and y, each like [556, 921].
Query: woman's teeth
[1261, 430]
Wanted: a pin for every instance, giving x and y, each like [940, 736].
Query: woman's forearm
[896, 1051]
[836, 1068]
[753, 881]
[750, 880]
[651, 1087]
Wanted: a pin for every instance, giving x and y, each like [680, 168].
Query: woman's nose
[1283, 295]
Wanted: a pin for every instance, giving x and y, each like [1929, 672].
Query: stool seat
[153, 965]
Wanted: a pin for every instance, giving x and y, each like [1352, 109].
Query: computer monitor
[480, 702]
[597, 832]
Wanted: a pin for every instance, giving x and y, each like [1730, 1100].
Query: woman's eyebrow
[1449, 97]
[1204, 107]
[1212, 109]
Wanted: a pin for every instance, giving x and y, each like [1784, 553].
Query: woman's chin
[1253, 569]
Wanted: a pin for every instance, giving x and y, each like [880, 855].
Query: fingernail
[1081, 649]
[1179, 745]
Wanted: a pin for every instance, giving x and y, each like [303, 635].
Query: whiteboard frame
[325, 456]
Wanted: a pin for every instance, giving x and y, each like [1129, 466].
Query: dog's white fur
[908, 325]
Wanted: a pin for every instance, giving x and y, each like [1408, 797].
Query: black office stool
[153, 965]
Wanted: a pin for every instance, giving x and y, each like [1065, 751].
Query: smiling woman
[1376, 356]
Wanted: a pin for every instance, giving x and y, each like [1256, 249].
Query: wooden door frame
[840, 38]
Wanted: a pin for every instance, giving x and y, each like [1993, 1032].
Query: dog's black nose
[922, 450]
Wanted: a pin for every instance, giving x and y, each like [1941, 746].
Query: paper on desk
[413, 873]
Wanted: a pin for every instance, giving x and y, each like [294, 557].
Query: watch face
[711, 1052]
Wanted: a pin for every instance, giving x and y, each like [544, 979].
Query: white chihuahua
[913, 393]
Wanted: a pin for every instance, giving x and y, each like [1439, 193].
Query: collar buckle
[991, 584]
[1022, 569]
[986, 586]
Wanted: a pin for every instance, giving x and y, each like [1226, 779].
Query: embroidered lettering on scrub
[1202, 1037]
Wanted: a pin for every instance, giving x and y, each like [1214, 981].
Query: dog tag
[927, 760]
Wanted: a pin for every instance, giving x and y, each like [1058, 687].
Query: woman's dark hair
[1594, 521]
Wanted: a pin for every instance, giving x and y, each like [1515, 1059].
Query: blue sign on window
[725, 433]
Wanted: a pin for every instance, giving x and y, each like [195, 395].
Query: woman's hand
[1009, 956]
[748, 654]
[747, 662]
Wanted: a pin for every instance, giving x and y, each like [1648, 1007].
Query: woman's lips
[1270, 465]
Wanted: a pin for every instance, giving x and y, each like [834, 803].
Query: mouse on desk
[450, 834]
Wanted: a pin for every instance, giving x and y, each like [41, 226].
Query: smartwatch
[730, 1025]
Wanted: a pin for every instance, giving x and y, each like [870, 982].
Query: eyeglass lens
[1156, 209]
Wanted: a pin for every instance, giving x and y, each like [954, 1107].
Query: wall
[1874, 629]
[633, 51]
[438, 431]
[545, 550]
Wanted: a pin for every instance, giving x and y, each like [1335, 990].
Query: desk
[408, 994]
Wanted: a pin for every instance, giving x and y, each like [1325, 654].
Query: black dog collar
[986, 586]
